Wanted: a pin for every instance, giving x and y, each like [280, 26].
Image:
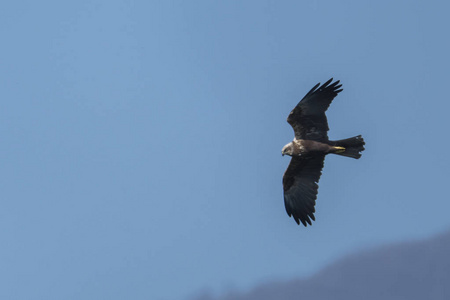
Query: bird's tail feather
[353, 146]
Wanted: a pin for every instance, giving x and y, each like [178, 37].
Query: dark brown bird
[308, 150]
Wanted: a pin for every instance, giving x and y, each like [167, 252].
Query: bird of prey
[308, 150]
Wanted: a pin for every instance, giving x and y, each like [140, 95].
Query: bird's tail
[352, 146]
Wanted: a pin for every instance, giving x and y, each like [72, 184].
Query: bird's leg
[338, 149]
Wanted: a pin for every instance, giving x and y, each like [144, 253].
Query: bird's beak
[282, 153]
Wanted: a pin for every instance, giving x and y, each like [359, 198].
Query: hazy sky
[141, 140]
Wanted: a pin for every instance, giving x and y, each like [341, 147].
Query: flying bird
[309, 148]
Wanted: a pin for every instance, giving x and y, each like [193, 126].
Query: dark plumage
[308, 150]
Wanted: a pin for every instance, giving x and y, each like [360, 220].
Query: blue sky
[140, 140]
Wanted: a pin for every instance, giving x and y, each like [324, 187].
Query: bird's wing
[308, 117]
[300, 187]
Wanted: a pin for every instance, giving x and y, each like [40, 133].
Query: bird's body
[302, 147]
[308, 151]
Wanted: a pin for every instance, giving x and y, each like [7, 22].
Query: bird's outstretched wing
[300, 187]
[308, 117]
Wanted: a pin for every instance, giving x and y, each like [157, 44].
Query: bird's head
[288, 149]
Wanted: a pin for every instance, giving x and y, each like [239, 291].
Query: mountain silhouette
[410, 270]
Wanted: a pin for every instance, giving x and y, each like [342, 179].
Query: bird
[309, 148]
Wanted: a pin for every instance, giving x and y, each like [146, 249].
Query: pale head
[288, 149]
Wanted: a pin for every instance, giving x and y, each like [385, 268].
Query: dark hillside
[410, 271]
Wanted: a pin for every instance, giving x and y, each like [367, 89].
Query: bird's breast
[299, 146]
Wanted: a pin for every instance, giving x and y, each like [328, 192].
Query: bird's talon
[339, 149]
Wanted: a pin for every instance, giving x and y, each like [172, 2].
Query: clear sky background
[141, 140]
